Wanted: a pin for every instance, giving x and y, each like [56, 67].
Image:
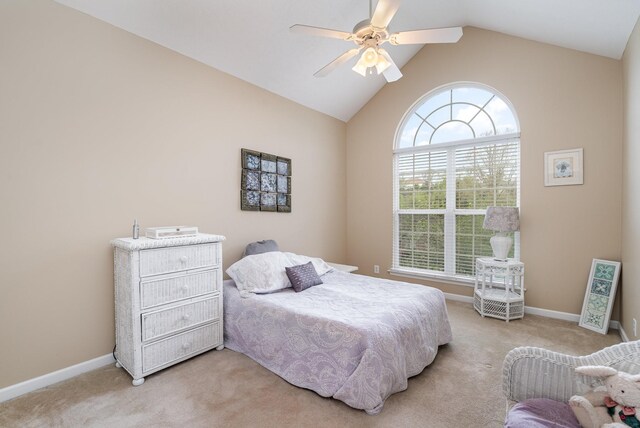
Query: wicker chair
[530, 372]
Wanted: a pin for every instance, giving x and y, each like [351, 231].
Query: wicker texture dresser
[168, 301]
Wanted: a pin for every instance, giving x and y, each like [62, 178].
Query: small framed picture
[563, 168]
[598, 300]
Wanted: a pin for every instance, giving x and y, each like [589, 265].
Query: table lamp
[501, 220]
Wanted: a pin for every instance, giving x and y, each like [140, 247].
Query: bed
[354, 338]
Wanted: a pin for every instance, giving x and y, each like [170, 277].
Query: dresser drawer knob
[185, 317]
[184, 288]
[184, 259]
[186, 346]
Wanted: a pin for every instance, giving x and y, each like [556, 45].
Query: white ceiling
[250, 39]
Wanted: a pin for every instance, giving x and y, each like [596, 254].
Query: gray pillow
[260, 247]
[303, 276]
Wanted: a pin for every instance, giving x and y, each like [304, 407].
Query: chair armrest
[530, 372]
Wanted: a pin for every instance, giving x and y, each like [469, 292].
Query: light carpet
[462, 388]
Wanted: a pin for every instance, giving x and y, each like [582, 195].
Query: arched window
[456, 152]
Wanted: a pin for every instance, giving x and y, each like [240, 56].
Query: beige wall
[98, 126]
[631, 186]
[564, 99]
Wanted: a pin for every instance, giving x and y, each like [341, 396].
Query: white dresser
[168, 301]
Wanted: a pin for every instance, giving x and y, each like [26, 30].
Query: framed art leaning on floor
[598, 299]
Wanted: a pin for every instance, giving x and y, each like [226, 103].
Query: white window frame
[449, 275]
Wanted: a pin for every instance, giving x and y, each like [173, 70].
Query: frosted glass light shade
[360, 68]
[382, 63]
[371, 58]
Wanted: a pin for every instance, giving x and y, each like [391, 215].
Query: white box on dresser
[168, 301]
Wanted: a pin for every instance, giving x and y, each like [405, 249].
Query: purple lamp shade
[502, 219]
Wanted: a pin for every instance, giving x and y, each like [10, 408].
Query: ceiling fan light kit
[371, 58]
[370, 34]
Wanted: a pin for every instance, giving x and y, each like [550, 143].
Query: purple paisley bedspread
[354, 338]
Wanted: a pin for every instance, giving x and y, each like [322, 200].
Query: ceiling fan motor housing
[368, 35]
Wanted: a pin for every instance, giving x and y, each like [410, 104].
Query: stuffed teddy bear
[613, 405]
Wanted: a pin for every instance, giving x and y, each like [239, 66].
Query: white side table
[499, 288]
[344, 268]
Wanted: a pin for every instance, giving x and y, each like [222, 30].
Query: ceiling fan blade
[337, 62]
[392, 73]
[319, 31]
[385, 10]
[436, 35]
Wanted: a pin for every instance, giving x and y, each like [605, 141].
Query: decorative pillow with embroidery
[303, 276]
[265, 273]
[320, 265]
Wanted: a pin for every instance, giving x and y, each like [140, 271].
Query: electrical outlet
[635, 328]
[376, 269]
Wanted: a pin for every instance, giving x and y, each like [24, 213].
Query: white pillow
[320, 265]
[261, 273]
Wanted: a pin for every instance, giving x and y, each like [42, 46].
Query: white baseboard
[623, 334]
[63, 374]
[54, 377]
[458, 298]
[566, 316]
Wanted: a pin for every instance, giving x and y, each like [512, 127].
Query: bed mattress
[354, 338]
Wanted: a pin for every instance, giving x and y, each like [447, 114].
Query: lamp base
[501, 245]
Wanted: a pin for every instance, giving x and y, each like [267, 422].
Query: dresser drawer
[176, 259]
[174, 348]
[158, 291]
[160, 323]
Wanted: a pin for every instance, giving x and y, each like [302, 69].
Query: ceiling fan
[370, 34]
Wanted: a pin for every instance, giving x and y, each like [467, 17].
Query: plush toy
[612, 405]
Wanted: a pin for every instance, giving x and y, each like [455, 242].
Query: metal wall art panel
[265, 184]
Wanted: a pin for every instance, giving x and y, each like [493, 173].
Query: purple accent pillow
[541, 413]
[303, 276]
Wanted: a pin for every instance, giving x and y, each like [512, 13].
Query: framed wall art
[265, 184]
[563, 167]
[598, 300]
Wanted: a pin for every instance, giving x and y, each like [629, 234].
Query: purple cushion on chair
[541, 413]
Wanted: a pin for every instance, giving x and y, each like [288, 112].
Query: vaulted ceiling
[250, 39]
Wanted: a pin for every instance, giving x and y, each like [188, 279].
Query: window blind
[440, 209]
[486, 176]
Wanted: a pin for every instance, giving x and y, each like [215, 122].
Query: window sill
[447, 279]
